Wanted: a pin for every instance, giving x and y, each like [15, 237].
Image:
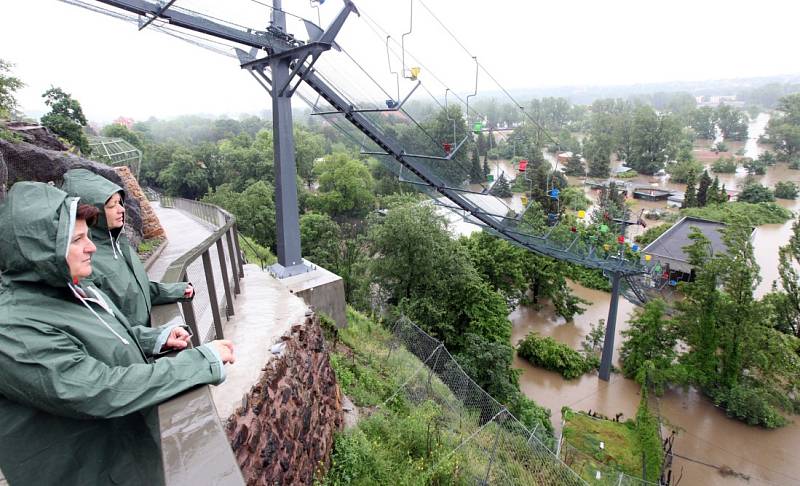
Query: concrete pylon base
[322, 290]
[280, 272]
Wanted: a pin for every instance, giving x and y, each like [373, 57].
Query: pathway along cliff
[706, 435]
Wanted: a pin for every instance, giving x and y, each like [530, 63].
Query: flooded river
[707, 439]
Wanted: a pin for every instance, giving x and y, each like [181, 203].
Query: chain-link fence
[501, 449]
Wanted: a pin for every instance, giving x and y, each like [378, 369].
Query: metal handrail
[263, 263]
[177, 270]
[194, 446]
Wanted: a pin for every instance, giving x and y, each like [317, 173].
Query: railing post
[232, 255]
[212, 294]
[223, 266]
[238, 250]
[189, 318]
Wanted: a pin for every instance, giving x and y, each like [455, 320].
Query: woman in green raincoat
[117, 269]
[77, 390]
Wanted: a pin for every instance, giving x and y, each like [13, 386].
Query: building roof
[668, 248]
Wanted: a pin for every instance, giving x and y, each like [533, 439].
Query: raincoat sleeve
[152, 339]
[167, 293]
[50, 370]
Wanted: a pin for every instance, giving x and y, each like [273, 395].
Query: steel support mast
[290, 62]
[290, 261]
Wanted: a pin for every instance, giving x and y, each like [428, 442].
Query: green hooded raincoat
[77, 393]
[116, 268]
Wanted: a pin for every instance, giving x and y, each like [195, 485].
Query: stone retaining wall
[283, 432]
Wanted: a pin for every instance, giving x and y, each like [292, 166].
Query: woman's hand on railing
[225, 349]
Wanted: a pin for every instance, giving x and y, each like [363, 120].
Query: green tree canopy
[650, 338]
[115, 130]
[655, 139]
[254, 209]
[345, 186]
[8, 85]
[784, 130]
[65, 118]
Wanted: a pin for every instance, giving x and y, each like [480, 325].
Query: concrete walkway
[183, 233]
[263, 311]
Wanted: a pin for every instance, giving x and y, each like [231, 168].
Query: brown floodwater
[707, 439]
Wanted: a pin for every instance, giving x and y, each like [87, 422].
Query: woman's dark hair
[88, 213]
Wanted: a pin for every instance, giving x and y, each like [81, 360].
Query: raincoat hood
[37, 221]
[92, 189]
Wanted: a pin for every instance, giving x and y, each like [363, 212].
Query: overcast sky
[115, 70]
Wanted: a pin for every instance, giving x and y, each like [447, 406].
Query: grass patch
[413, 438]
[623, 443]
[584, 434]
[147, 247]
[9, 136]
[255, 253]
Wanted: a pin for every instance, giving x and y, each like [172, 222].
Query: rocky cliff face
[42, 157]
[283, 433]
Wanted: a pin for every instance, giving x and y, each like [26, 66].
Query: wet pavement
[263, 311]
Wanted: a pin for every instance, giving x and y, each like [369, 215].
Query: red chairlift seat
[523, 164]
[448, 147]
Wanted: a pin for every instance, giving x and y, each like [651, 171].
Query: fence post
[438, 352]
[238, 250]
[189, 318]
[223, 266]
[558, 447]
[232, 255]
[212, 294]
[494, 451]
[533, 434]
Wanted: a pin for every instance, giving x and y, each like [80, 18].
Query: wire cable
[368, 18]
[486, 71]
[281, 10]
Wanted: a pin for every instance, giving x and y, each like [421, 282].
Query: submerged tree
[703, 189]
[501, 188]
[650, 339]
[575, 166]
[690, 196]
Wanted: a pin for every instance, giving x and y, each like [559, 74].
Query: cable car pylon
[287, 63]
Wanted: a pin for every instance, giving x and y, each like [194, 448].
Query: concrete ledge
[265, 311]
[322, 290]
[154, 256]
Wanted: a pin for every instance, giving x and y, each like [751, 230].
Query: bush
[651, 234]
[588, 277]
[574, 199]
[648, 439]
[629, 174]
[724, 165]
[749, 404]
[786, 190]
[552, 355]
[755, 193]
[255, 253]
[755, 167]
[679, 171]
